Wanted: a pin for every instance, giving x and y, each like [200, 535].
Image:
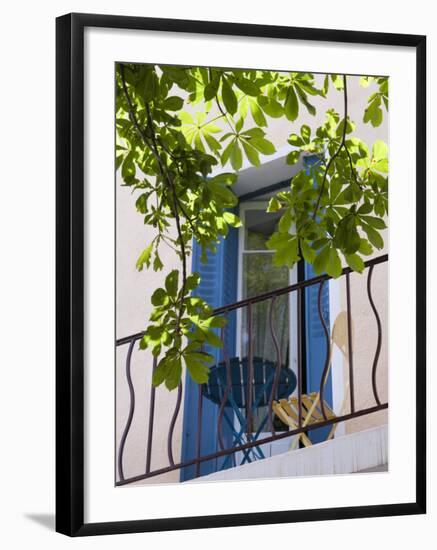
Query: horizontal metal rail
[267, 295]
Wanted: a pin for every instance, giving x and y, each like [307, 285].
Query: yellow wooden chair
[288, 409]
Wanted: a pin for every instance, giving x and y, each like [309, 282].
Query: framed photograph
[240, 274]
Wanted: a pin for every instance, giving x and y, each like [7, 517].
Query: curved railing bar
[199, 428]
[328, 351]
[249, 412]
[350, 351]
[227, 388]
[151, 419]
[299, 354]
[131, 410]
[273, 393]
[172, 425]
[378, 346]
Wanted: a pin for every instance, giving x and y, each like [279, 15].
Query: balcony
[259, 408]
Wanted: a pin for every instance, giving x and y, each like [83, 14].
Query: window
[258, 275]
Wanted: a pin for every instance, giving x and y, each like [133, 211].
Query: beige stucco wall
[133, 308]
[365, 343]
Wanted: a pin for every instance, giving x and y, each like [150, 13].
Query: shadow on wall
[46, 520]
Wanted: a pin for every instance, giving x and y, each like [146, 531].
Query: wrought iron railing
[247, 306]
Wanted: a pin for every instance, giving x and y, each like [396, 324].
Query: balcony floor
[360, 452]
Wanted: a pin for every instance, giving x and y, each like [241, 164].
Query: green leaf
[286, 249]
[285, 222]
[247, 86]
[305, 132]
[377, 223]
[211, 89]
[223, 193]
[128, 167]
[254, 132]
[365, 248]
[198, 370]
[150, 88]
[325, 88]
[186, 118]
[381, 166]
[350, 127]
[296, 140]
[251, 153]
[365, 81]
[257, 114]
[271, 107]
[292, 157]
[379, 206]
[321, 262]
[212, 338]
[141, 203]
[231, 219]
[159, 297]
[173, 103]
[118, 161]
[144, 257]
[173, 373]
[239, 125]
[303, 98]
[291, 106]
[274, 205]
[338, 82]
[160, 372]
[355, 262]
[333, 266]
[308, 253]
[346, 235]
[157, 264]
[263, 145]
[229, 97]
[236, 156]
[228, 178]
[202, 356]
[373, 112]
[171, 282]
[379, 150]
[227, 152]
[213, 144]
[365, 208]
[193, 281]
[215, 321]
[373, 236]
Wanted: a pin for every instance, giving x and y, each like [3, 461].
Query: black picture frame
[70, 273]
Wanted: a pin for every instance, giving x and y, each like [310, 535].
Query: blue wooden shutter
[218, 287]
[315, 336]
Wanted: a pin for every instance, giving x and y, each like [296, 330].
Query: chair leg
[332, 432]
[301, 437]
[306, 440]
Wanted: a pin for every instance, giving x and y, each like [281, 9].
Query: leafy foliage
[175, 124]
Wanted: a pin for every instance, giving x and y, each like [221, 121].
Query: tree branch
[335, 155]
